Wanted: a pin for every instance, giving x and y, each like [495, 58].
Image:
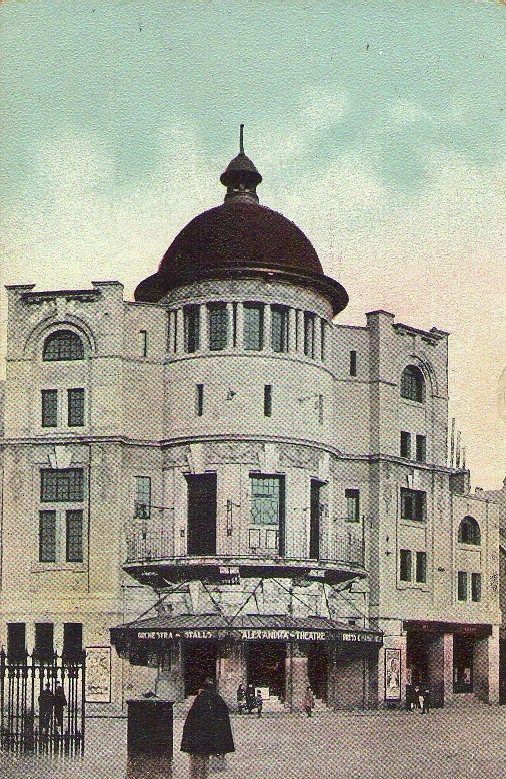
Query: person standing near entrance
[308, 704]
[241, 698]
[251, 698]
[46, 703]
[206, 731]
[60, 702]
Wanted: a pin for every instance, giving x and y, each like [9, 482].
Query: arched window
[63, 345]
[413, 384]
[469, 531]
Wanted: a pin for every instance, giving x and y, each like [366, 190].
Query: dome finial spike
[241, 139]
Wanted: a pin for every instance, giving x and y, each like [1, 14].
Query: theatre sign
[262, 634]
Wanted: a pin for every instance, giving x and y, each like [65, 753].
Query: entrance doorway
[314, 519]
[267, 666]
[417, 659]
[199, 664]
[201, 514]
[317, 670]
[462, 664]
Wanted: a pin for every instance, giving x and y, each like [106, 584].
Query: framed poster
[392, 674]
[98, 674]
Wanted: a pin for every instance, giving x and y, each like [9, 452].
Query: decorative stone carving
[177, 456]
[299, 457]
[221, 452]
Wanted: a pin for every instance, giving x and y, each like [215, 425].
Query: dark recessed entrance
[462, 664]
[317, 670]
[267, 666]
[417, 660]
[199, 663]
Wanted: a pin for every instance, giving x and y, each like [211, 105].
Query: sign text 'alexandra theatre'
[263, 634]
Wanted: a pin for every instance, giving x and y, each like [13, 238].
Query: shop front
[446, 657]
[279, 654]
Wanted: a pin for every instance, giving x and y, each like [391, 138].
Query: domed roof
[237, 239]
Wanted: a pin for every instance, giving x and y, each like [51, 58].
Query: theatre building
[222, 478]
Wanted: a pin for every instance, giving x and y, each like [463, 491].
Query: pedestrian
[308, 701]
[46, 703]
[259, 703]
[207, 731]
[241, 698]
[250, 697]
[424, 699]
[60, 702]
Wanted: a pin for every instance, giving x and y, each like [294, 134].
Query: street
[458, 742]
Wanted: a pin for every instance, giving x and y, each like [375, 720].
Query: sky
[378, 128]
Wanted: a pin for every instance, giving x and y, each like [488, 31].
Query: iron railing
[42, 702]
[149, 540]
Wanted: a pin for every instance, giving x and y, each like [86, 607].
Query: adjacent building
[224, 478]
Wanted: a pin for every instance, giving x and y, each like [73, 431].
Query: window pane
[352, 505]
[323, 335]
[218, 323]
[265, 500]
[279, 325]
[421, 567]
[142, 496]
[412, 383]
[476, 586]
[76, 407]
[309, 324]
[47, 536]
[421, 448]
[74, 536]
[44, 636]
[61, 485]
[462, 585]
[253, 327]
[353, 363]
[63, 345]
[49, 408]
[191, 328]
[267, 400]
[16, 639]
[405, 565]
[199, 399]
[405, 444]
[412, 505]
[72, 639]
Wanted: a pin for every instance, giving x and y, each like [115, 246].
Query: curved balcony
[156, 557]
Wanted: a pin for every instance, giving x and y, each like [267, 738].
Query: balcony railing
[149, 541]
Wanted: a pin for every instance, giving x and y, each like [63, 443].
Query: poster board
[98, 674]
[392, 674]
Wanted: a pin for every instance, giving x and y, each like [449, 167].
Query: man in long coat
[206, 730]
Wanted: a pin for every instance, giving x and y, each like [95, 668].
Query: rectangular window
[320, 409]
[476, 587]
[201, 513]
[352, 505]
[57, 485]
[49, 408]
[218, 326]
[142, 497]
[143, 342]
[44, 640]
[253, 326]
[199, 399]
[72, 639]
[279, 328]
[266, 500]
[421, 448]
[268, 400]
[309, 325]
[412, 505]
[405, 565]
[16, 640]
[234, 324]
[405, 444]
[462, 585]
[75, 407]
[353, 363]
[74, 536]
[47, 536]
[323, 335]
[421, 567]
[191, 328]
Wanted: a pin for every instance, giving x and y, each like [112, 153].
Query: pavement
[458, 742]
